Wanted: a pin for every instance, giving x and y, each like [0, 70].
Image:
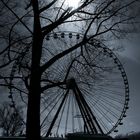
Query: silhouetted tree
[23, 42]
[11, 121]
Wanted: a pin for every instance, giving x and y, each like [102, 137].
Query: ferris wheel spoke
[110, 91]
[109, 94]
[102, 93]
[112, 113]
[111, 104]
[52, 108]
[50, 100]
[104, 114]
[57, 113]
[88, 93]
[106, 108]
[61, 116]
[109, 122]
[104, 102]
[101, 122]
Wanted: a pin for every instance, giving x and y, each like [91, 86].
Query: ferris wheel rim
[120, 67]
[114, 58]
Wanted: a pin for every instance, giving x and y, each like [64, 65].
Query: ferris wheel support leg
[82, 112]
[91, 127]
[89, 112]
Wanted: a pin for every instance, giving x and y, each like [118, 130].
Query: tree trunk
[33, 110]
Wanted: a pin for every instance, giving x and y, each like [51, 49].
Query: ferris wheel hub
[70, 83]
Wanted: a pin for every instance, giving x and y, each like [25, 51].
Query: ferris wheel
[85, 91]
[90, 92]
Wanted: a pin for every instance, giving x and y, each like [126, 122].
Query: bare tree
[23, 42]
[11, 121]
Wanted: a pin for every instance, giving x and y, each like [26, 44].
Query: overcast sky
[130, 58]
[131, 61]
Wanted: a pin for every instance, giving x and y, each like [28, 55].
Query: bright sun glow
[72, 3]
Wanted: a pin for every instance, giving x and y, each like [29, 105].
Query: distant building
[83, 136]
[122, 139]
[72, 136]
